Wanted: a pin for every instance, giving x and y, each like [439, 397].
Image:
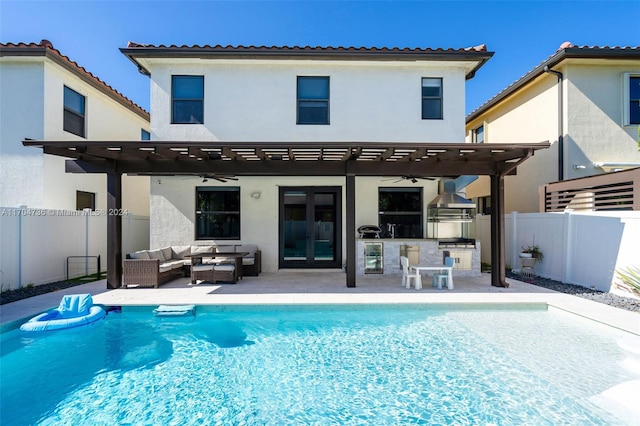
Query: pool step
[175, 310]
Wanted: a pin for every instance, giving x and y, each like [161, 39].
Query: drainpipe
[560, 123]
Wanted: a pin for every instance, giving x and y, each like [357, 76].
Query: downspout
[560, 123]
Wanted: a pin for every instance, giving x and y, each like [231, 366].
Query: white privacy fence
[583, 248]
[35, 244]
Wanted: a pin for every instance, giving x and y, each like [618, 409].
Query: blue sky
[521, 33]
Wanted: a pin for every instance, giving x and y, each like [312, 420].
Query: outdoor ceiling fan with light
[411, 178]
[219, 178]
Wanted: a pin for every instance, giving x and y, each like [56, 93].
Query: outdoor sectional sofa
[151, 268]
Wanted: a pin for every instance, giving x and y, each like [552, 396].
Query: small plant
[631, 277]
[534, 251]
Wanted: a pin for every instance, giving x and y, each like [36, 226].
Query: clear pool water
[322, 365]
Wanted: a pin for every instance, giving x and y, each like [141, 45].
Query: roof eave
[552, 61]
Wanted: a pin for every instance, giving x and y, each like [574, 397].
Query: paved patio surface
[325, 287]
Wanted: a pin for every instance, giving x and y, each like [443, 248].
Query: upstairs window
[187, 99]
[218, 213]
[432, 99]
[74, 115]
[478, 134]
[634, 99]
[313, 100]
[145, 135]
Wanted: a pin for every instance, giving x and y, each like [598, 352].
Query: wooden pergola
[348, 159]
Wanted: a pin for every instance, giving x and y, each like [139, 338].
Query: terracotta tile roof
[45, 48]
[476, 53]
[567, 50]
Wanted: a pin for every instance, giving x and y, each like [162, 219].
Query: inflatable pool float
[75, 310]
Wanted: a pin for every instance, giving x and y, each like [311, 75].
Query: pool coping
[276, 290]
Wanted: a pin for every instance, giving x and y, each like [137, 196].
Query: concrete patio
[325, 287]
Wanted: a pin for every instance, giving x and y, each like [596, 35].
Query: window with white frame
[431, 98]
[633, 102]
[478, 134]
[187, 99]
[74, 112]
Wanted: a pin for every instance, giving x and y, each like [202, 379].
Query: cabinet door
[463, 259]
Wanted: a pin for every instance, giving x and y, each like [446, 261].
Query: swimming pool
[400, 364]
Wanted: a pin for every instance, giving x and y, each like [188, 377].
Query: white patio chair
[407, 275]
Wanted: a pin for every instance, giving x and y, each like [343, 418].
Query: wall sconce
[256, 195]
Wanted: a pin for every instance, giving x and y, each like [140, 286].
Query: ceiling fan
[411, 178]
[219, 178]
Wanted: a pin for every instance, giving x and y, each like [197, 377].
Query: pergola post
[498, 278]
[351, 229]
[114, 230]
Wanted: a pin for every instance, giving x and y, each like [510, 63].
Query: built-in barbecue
[450, 216]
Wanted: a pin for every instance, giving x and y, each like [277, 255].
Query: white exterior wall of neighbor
[595, 130]
[256, 101]
[593, 127]
[530, 117]
[32, 107]
[21, 115]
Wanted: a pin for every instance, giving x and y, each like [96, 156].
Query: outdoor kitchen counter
[421, 251]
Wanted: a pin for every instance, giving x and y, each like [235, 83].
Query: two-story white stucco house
[584, 100]
[45, 95]
[298, 95]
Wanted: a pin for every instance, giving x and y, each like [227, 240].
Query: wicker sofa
[151, 268]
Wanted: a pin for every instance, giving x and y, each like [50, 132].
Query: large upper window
[432, 98]
[313, 100]
[400, 212]
[218, 213]
[634, 100]
[187, 99]
[74, 115]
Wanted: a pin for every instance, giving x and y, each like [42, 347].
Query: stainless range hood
[451, 201]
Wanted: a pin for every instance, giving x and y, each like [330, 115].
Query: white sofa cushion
[201, 249]
[142, 254]
[178, 252]
[248, 260]
[225, 249]
[167, 253]
[156, 254]
[249, 248]
[224, 267]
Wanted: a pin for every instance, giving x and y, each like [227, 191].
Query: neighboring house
[297, 95]
[584, 100]
[45, 95]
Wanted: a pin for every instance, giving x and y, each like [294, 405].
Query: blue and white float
[75, 310]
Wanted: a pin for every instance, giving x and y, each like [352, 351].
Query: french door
[310, 227]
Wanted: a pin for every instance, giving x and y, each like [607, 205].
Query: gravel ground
[628, 303]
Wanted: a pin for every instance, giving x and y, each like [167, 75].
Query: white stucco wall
[32, 106]
[173, 209]
[21, 116]
[528, 118]
[595, 116]
[593, 130]
[256, 101]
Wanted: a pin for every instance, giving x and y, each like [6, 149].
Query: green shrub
[631, 277]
